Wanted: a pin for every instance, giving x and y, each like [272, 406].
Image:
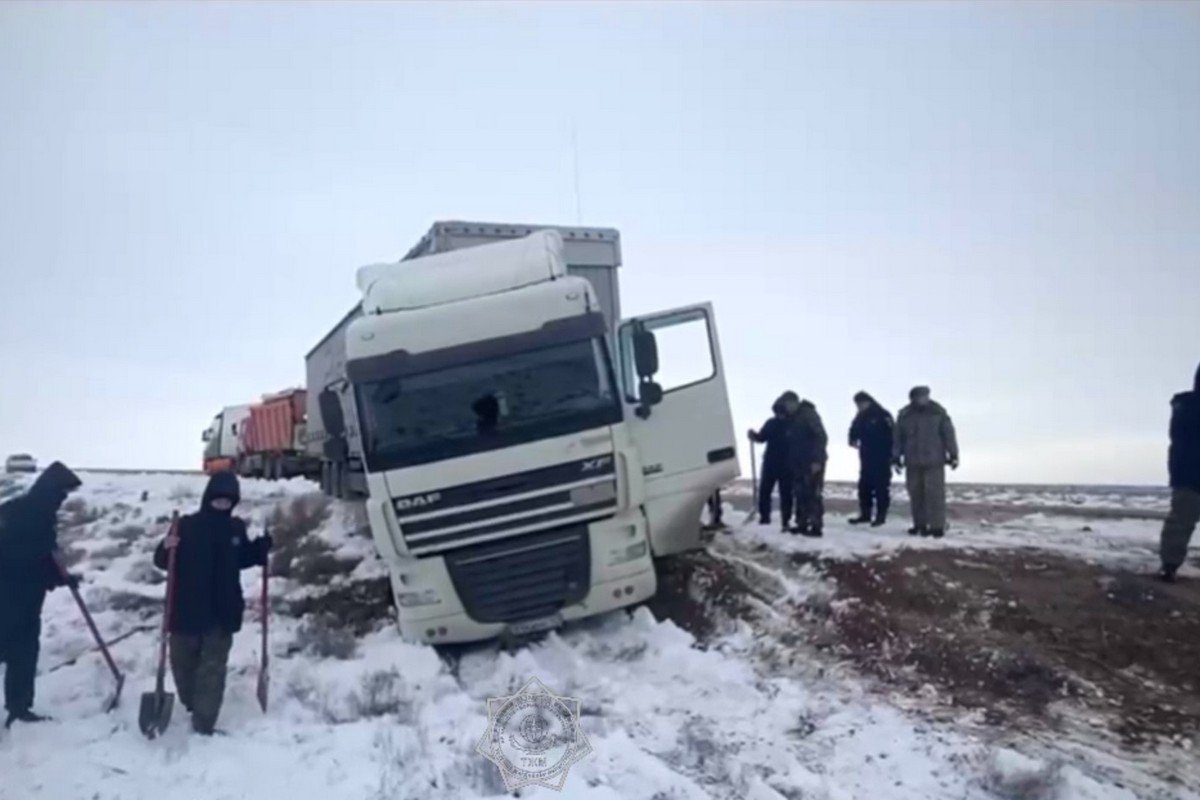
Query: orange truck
[270, 440]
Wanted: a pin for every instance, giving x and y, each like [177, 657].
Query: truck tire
[339, 480]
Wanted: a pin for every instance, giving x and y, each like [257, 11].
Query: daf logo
[418, 501]
[593, 464]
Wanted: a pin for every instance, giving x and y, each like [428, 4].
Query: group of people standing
[921, 442]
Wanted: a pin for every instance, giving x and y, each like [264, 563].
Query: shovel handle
[172, 556]
[87, 617]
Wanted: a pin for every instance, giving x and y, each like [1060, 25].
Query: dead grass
[322, 635]
[382, 694]
[298, 552]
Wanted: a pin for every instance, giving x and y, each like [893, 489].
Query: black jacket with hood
[213, 550]
[774, 434]
[871, 431]
[29, 531]
[807, 441]
[1184, 458]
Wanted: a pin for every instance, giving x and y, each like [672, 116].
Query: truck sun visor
[459, 274]
[401, 362]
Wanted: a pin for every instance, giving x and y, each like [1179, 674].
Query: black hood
[1196, 381]
[53, 485]
[875, 406]
[222, 484]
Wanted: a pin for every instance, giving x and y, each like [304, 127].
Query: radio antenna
[575, 152]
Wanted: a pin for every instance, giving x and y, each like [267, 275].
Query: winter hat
[789, 395]
[917, 391]
[863, 397]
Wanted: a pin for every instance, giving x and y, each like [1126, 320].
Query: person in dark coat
[776, 471]
[28, 539]
[208, 601]
[807, 453]
[871, 435]
[1183, 463]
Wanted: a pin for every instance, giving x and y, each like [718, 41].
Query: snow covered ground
[668, 717]
[1148, 499]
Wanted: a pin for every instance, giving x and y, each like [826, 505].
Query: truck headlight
[413, 599]
[631, 553]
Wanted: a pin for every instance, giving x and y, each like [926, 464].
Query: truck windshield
[487, 405]
[212, 447]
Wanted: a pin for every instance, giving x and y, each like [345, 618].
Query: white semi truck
[524, 454]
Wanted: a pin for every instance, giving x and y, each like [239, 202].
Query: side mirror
[645, 353]
[650, 394]
[207, 435]
[331, 413]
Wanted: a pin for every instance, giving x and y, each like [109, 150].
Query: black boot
[23, 716]
[915, 531]
[937, 533]
[880, 521]
[861, 518]
[814, 532]
[1167, 573]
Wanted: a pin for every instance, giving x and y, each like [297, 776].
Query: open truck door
[674, 384]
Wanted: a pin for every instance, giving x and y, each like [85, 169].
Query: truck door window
[685, 352]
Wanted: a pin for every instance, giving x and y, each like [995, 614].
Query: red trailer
[271, 442]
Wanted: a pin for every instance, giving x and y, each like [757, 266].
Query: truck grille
[500, 508]
[523, 577]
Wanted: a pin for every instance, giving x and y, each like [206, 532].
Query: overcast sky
[1001, 201]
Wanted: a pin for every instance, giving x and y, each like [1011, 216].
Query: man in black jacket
[807, 452]
[871, 434]
[208, 602]
[1184, 466]
[28, 538]
[776, 471]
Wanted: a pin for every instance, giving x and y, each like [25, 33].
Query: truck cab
[525, 454]
[221, 439]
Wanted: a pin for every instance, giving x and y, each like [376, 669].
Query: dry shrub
[145, 572]
[128, 534]
[298, 552]
[75, 513]
[324, 636]
[381, 694]
[108, 552]
[182, 492]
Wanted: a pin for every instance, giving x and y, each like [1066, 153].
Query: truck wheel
[339, 480]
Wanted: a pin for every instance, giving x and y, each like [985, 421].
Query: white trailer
[524, 453]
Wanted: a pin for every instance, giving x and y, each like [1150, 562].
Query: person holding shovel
[213, 549]
[28, 540]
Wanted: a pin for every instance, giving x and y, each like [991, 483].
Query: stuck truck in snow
[523, 452]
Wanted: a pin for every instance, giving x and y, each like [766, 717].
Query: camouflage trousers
[198, 664]
[927, 497]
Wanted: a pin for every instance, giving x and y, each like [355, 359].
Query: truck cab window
[685, 352]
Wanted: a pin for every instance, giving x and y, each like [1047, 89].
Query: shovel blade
[154, 714]
[263, 691]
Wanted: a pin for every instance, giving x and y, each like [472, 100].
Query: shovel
[264, 679]
[87, 617]
[754, 484]
[154, 714]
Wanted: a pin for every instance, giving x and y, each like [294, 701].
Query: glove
[266, 542]
[953, 462]
[71, 581]
[752, 435]
[898, 465]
